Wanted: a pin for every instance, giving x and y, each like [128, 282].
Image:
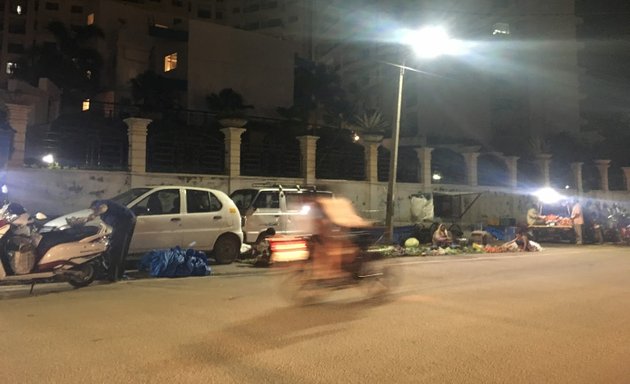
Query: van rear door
[264, 213]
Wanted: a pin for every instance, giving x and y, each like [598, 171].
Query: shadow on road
[20, 291]
[234, 346]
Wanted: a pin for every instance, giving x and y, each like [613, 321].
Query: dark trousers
[120, 240]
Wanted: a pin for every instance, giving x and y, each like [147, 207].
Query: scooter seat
[50, 239]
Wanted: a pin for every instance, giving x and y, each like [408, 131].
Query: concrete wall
[57, 192]
[61, 191]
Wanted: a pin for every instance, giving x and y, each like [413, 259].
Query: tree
[72, 62]
[153, 93]
[370, 121]
[318, 96]
[227, 103]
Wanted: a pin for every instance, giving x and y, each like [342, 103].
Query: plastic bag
[175, 262]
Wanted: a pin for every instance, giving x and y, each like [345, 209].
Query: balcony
[167, 33]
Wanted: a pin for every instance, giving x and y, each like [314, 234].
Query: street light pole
[393, 159]
[428, 43]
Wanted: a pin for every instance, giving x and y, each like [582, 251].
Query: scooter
[73, 253]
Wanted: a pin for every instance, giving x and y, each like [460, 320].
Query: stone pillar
[576, 168]
[626, 176]
[424, 156]
[308, 164]
[371, 158]
[512, 165]
[137, 134]
[602, 167]
[18, 120]
[471, 167]
[544, 161]
[233, 150]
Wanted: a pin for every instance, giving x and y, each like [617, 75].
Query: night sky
[605, 33]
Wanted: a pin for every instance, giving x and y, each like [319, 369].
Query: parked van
[283, 208]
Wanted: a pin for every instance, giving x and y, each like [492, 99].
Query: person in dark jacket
[123, 221]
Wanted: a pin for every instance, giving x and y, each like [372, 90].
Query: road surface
[559, 316]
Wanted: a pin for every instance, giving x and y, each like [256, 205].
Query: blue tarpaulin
[175, 262]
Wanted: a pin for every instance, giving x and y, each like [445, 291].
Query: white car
[169, 216]
[283, 208]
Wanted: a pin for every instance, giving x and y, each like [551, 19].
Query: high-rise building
[182, 41]
[519, 75]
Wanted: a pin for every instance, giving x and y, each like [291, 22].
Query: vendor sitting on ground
[534, 218]
[441, 237]
[521, 243]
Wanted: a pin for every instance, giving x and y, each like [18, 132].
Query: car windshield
[243, 198]
[127, 197]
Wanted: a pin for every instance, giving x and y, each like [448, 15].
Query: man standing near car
[123, 221]
[578, 220]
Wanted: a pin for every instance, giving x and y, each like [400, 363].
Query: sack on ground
[175, 262]
[534, 246]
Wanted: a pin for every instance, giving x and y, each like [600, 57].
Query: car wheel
[226, 249]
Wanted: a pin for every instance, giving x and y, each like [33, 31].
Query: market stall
[555, 224]
[553, 233]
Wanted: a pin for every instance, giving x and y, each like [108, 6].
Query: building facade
[518, 73]
[182, 41]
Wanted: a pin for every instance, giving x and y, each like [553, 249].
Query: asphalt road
[559, 316]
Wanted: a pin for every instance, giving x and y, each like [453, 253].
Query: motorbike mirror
[40, 216]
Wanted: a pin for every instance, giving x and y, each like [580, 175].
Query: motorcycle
[73, 253]
[338, 256]
[618, 225]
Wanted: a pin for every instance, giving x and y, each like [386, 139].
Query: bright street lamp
[427, 43]
[48, 159]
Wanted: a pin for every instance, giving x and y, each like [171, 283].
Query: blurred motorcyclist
[123, 221]
[332, 246]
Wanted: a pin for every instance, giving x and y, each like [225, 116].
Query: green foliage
[227, 103]
[318, 96]
[73, 63]
[370, 121]
[153, 92]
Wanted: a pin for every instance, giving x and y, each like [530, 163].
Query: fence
[191, 142]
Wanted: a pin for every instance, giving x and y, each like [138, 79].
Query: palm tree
[369, 122]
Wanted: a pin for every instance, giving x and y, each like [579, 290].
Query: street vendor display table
[553, 233]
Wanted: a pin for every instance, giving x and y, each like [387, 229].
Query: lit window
[88, 74]
[501, 29]
[170, 62]
[90, 19]
[18, 9]
[11, 67]
[86, 105]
